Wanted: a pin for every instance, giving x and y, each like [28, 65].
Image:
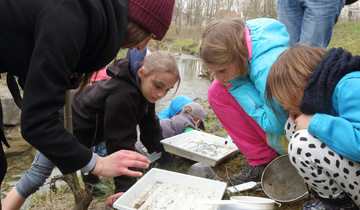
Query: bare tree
[195, 14]
[178, 12]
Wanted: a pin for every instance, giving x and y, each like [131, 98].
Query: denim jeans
[309, 22]
[35, 177]
[100, 149]
[40, 170]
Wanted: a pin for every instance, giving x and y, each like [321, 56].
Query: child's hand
[111, 199]
[303, 121]
[119, 162]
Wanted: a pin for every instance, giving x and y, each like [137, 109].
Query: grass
[182, 43]
[191, 46]
[347, 36]
[50, 199]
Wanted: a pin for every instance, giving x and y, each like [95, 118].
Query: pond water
[191, 85]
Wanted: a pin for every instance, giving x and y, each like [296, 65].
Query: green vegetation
[187, 45]
[347, 36]
[182, 43]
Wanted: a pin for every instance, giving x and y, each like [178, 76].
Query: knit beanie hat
[153, 15]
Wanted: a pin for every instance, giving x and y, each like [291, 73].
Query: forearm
[338, 134]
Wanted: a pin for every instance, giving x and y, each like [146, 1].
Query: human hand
[118, 164]
[111, 199]
[303, 121]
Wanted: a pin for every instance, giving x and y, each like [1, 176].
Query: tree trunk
[82, 197]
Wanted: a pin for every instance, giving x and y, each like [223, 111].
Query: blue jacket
[268, 40]
[175, 107]
[333, 94]
[340, 130]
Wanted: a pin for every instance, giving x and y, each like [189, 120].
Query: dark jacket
[110, 110]
[44, 42]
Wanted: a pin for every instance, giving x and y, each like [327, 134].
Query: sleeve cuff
[90, 166]
[312, 128]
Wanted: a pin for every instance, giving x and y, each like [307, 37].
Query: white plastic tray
[201, 147]
[162, 189]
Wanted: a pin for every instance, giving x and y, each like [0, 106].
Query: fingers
[111, 199]
[135, 156]
[129, 172]
[118, 163]
[109, 202]
[134, 159]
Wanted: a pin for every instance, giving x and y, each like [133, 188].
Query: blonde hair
[161, 62]
[223, 42]
[290, 74]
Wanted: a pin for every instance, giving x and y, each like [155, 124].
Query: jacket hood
[121, 70]
[107, 32]
[133, 61]
[266, 34]
[178, 103]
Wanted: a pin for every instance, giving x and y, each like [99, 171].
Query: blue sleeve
[251, 100]
[164, 114]
[341, 133]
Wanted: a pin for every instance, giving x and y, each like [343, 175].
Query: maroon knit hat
[154, 15]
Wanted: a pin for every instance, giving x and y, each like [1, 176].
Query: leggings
[328, 173]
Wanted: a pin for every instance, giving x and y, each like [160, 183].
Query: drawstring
[96, 127]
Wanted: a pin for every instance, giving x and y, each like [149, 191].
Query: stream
[191, 85]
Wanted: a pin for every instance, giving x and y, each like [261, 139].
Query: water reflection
[191, 85]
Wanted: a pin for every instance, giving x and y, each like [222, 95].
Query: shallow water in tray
[206, 148]
[166, 195]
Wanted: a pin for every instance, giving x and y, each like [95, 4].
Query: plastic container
[253, 203]
[162, 189]
[240, 203]
[200, 147]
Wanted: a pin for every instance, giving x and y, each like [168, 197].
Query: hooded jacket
[268, 40]
[43, 42]
[111, 109]
[333, 94]
[175, 107]
[176, 125]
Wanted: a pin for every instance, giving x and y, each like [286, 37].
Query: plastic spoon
[242, 187]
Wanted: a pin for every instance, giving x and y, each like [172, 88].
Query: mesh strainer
[281, 182]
